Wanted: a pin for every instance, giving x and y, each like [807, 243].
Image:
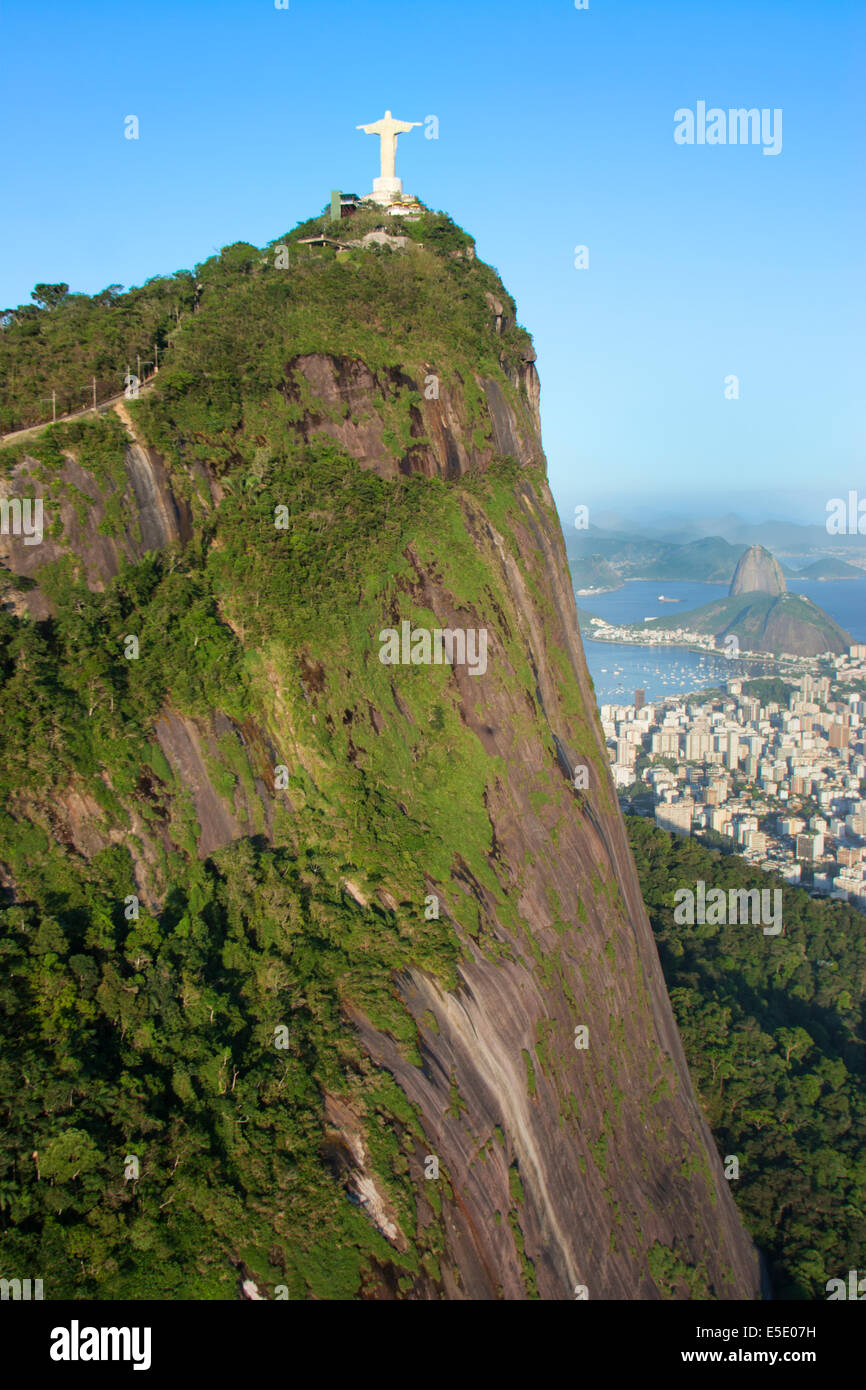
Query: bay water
[618, 669]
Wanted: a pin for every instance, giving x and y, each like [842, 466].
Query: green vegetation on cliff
[762, 623]
[230, 325]
[155, 1037]
[177, 1019]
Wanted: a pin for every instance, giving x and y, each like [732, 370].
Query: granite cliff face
[757, 570]
[451, 839]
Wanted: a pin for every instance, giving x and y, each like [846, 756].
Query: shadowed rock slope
[374, 916]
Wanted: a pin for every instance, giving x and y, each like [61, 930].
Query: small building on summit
[343, 205]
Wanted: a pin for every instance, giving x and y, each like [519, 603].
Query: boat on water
[663, 599]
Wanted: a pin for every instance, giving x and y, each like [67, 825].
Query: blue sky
[555, 130]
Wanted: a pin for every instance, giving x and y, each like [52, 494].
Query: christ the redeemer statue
[389, 186]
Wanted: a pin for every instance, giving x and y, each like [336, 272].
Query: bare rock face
[75, 512]
[757, 571]
[343, 400]
[606, 1145]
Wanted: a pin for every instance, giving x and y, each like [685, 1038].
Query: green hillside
[594, 572]
[267, 308]
[763, 623]
[775, 1041]
[710, 560]
[828, 567]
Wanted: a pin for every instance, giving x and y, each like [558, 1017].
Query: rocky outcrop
[761, 615]
[97, 522]
[343, 400]
[548, 1082]
[600, 1162]
[757, 571]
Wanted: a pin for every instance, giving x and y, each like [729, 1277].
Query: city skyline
[779, 777]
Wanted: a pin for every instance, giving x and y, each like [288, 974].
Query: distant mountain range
[785, 537]
[828, 567]
[604, 559]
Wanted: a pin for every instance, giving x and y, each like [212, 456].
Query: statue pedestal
[385, 191]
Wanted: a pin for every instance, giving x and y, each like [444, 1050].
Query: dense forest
[54, 351]
[774, 1034]
[62, 341]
